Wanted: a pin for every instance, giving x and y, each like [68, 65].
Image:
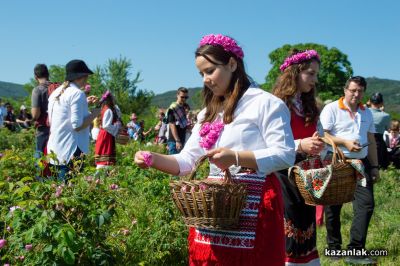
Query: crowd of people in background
[13, 121]
[173, 128]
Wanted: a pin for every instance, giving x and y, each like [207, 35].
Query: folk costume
[260, 125]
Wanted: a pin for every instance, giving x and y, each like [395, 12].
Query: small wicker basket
[207, 203]
[341, 186]
[122, 137]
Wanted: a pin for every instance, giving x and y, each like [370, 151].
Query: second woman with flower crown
[296, 87]
[244, 129]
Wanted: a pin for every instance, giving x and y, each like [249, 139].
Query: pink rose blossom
[147, 158]
[28, 247]
[205, 128]
[125, 232]
[3, 242]
[113, 186]
[87, 88]
[210, 133]
[58, 192]
[13, 208]
[203, 186]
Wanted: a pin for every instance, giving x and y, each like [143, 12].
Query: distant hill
[12, 90]
[390, 90]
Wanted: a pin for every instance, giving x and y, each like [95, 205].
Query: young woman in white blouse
[240, 127]
[70, 119]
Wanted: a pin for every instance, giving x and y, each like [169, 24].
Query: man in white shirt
[70, 119]
[351, 126]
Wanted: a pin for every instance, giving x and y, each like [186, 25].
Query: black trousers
[363, 207]
[383, 157]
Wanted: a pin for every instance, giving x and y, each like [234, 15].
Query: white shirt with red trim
[340, 121]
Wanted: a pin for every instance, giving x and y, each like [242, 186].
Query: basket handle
[337, 152]
[200, 161]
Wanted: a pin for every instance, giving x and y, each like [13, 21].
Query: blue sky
[160, 37]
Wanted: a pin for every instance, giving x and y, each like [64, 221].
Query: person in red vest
[296, 87]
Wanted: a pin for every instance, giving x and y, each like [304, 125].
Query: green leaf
[29, 235]
[68, 256]
[48, 248]
[20, 191]
[26, 179]
[100, 220]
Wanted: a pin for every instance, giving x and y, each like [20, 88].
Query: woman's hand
[222, 157]
[352, 145]
[312, 145]
[92, 99]
[139, 160]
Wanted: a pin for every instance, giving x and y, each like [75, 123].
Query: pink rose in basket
[203, 186]
[185, 188]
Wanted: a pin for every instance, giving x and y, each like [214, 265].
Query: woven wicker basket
[122, 137]
[341, 186]
[209, 204]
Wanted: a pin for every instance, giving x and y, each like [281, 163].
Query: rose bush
[120, 217]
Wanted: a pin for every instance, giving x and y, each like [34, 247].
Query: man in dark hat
[382, 123]
[70, 119]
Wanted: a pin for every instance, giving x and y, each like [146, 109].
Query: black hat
[76, 69]
[376, 98]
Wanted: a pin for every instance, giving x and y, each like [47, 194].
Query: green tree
[57, 73]
[116, 77]
[335, 68]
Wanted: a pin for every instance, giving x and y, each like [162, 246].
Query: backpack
[44, 118]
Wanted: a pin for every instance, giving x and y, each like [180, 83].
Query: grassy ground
[384, 229]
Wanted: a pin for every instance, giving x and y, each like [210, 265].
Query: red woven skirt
[268, 246]
[105, 149]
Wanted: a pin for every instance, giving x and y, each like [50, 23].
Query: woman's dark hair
[286, 88]
[41, 71]
[238, 85]
[110, 103]
[358, 80]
